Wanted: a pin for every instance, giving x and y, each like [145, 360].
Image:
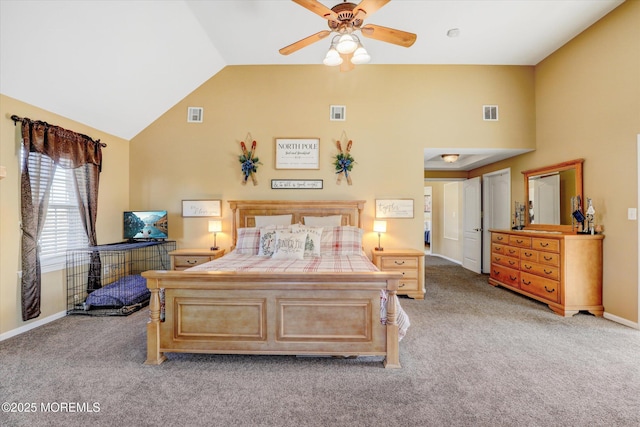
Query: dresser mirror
[549, 192]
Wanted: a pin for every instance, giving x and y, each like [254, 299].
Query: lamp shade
[380, 226]
[215, 226]
[360, 56]
[346, 44]
[332, 58]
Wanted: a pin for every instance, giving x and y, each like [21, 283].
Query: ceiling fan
[344, 19]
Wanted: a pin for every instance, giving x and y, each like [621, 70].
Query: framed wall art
[394, 208]
[197, 208]
[296, 184]
[297, 153]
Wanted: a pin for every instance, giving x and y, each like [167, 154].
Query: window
[63, 227]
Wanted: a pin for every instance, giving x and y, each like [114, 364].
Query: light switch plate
[632, 213]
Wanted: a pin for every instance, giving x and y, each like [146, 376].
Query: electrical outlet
[632, 214]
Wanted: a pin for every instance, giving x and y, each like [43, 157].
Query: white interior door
[472, 225]
[496, 209]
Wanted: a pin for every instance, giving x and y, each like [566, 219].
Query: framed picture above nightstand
[181, 259]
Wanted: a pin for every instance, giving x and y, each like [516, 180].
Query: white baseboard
[447, 258]
[32, 325]
[620, 320]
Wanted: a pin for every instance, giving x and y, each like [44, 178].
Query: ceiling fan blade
[318, 8]
[389, 35]
[366, 8]
[304, 42]
[346, 65]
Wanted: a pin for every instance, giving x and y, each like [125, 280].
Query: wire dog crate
[105, 280]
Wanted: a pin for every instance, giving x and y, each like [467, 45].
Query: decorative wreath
[249, 163]
[344, 162]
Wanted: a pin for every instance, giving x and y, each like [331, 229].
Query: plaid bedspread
[255, 263]
[331, 263]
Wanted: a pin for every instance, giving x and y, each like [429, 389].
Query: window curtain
[49, 147]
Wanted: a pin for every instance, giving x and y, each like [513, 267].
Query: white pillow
[314, 238]
[267, 240]
[323, 221]
[267, 220]
[289, 245]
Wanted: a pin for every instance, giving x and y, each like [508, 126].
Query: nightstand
[182, 259]
[410, 262]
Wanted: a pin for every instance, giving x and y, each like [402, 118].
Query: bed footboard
[272, 313]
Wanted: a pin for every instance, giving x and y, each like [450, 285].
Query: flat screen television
[145, 225]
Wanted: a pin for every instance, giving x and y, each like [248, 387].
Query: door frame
[487, 214]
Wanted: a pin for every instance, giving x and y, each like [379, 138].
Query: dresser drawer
[505, 250]
[529, 255]
[396, 263]
[520, 241]
[551, 245]
[186, 261]
[545, 288]
[500, 238]
[407, 285]
[507, 261]
[548, 271]
[506, 275]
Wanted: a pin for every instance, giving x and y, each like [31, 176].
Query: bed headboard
[245, 211]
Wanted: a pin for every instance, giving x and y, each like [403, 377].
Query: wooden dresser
[561, 270]
[410, 262]
[181, 259]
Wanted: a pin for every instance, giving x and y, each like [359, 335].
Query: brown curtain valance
[59, 144]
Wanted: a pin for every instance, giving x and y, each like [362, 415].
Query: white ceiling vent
[490, 113]
[338, 112]
[194, 114]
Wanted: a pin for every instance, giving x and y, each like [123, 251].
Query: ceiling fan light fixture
[346, 44]
[360, 56]
[332, 58]
[450, 158]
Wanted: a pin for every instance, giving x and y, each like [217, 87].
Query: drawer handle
[544, 245]
[497, 249]
[519, 241]
[399, 262]
[513, 278]
[524, 282]
[191, 262]
[499, 238]
[511, 262]
[548, 258]
[547, 272]
[528, 267]
[496, 273]
[401, 285]
[497, 258]
[511, 251]
[550, 291]
[528, 254]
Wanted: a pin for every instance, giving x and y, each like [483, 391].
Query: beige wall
[588, 106]
[393, 113]
[113, 200]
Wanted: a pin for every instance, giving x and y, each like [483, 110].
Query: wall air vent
[490, 113]
[338, 112]
[194, 114]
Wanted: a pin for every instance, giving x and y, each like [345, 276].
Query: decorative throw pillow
[289, 245]
[248, 241]
[267, 241]
[314, 237]
[344, 240]
[272, 220]
[323, 221]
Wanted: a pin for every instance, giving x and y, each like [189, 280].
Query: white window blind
[63, 226]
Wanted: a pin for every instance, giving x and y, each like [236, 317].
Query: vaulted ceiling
[118, 65]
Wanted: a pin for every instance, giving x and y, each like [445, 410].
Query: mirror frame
[572, 164]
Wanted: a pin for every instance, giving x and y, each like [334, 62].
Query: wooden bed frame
[335, 314]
